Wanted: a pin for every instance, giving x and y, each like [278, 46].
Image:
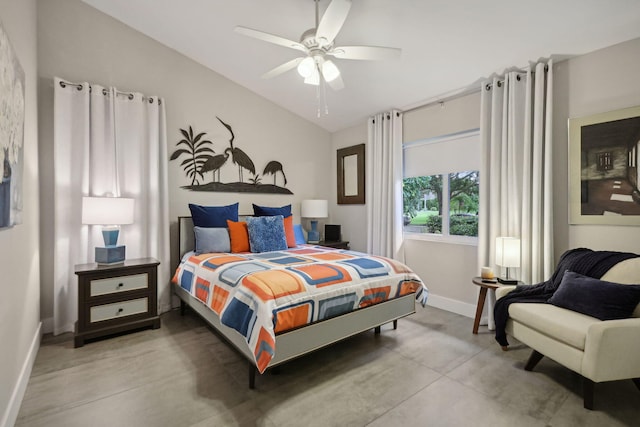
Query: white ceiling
[446, 45]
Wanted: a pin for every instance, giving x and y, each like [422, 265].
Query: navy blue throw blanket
[583, 261]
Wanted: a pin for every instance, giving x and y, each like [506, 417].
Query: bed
[273, 307]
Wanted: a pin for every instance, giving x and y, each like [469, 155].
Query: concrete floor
[432, 371]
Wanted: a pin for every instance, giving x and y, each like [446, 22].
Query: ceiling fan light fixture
[313, 78]
[306, 67]
[329, 71]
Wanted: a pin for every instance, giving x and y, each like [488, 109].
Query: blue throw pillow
[213, 216]
[210, 239]
[596, 298]
[266, 233]
[285, 211]
[299, 233]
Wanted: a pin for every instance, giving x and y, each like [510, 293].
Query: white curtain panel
[384, 184]
[516, 170]
[107, 142]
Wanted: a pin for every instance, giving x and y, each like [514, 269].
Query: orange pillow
[239, 236]
[288, 231]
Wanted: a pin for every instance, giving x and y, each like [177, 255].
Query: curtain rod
[488, 86]
[446, 98]
[459, 93]
[129, 95]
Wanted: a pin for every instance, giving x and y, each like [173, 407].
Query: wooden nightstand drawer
[118, 284]
[118, 310]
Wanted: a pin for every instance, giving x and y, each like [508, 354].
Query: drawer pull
[120, 310]
[120, 285]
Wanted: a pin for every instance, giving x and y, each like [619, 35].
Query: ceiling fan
[317, 45]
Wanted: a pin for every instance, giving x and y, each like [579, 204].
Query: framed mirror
[351, 175]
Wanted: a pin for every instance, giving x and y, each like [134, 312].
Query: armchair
[598, 350]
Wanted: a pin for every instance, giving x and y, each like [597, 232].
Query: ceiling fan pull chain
[324, 95]
[318, 101]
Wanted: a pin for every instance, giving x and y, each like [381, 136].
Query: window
[443, 204]
[429, 199]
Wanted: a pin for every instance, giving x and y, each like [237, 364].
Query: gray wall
[19, 251]
[446, 268]
[597, 82]
[79, 43]
[601, 81]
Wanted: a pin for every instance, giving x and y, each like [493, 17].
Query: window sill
[439, 238]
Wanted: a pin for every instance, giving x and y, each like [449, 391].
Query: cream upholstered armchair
[599, 350]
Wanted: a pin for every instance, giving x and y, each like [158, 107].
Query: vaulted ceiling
[447, 45]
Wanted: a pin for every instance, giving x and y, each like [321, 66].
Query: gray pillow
[212, 239]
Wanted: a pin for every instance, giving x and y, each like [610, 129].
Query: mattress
[262, 294]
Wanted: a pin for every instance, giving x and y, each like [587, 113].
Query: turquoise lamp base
[110, 255]
[314, 235]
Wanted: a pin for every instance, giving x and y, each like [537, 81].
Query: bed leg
[252, 376]
[395, 324]
[183, 307]
[377, 330]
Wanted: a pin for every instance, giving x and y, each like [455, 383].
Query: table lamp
[507, 255]
[110, 212]
[314, 209]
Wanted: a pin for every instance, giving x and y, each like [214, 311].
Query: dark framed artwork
[11, 133]
[603, 168]
[350, 165]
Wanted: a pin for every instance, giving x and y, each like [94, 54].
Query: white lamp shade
[107, 210]
[306, 66]
[313, 78]
[329, 70]
[314, 209]
[508, 251]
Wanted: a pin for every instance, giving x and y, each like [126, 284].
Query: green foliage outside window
[423, 203]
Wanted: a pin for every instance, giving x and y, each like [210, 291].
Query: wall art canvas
[11, 133]
[604, 150]
[202, 162]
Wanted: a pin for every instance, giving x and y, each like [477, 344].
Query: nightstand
[485, 285]
[334, 245]
[116, 298]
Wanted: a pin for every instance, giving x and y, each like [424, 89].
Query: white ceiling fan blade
[366, 53]
[332, 21]
[289, 65]
[336, 83]
[270, 38]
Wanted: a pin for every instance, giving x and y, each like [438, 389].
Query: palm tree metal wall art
[197, 153]
[201, 158]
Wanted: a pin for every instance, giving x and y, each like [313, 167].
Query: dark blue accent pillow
[596, 298]
[285, 211]
[213, 216]
[266, 233]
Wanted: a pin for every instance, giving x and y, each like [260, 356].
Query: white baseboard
[11, 412]
[452, 305]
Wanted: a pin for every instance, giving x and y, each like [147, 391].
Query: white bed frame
[300, 341]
